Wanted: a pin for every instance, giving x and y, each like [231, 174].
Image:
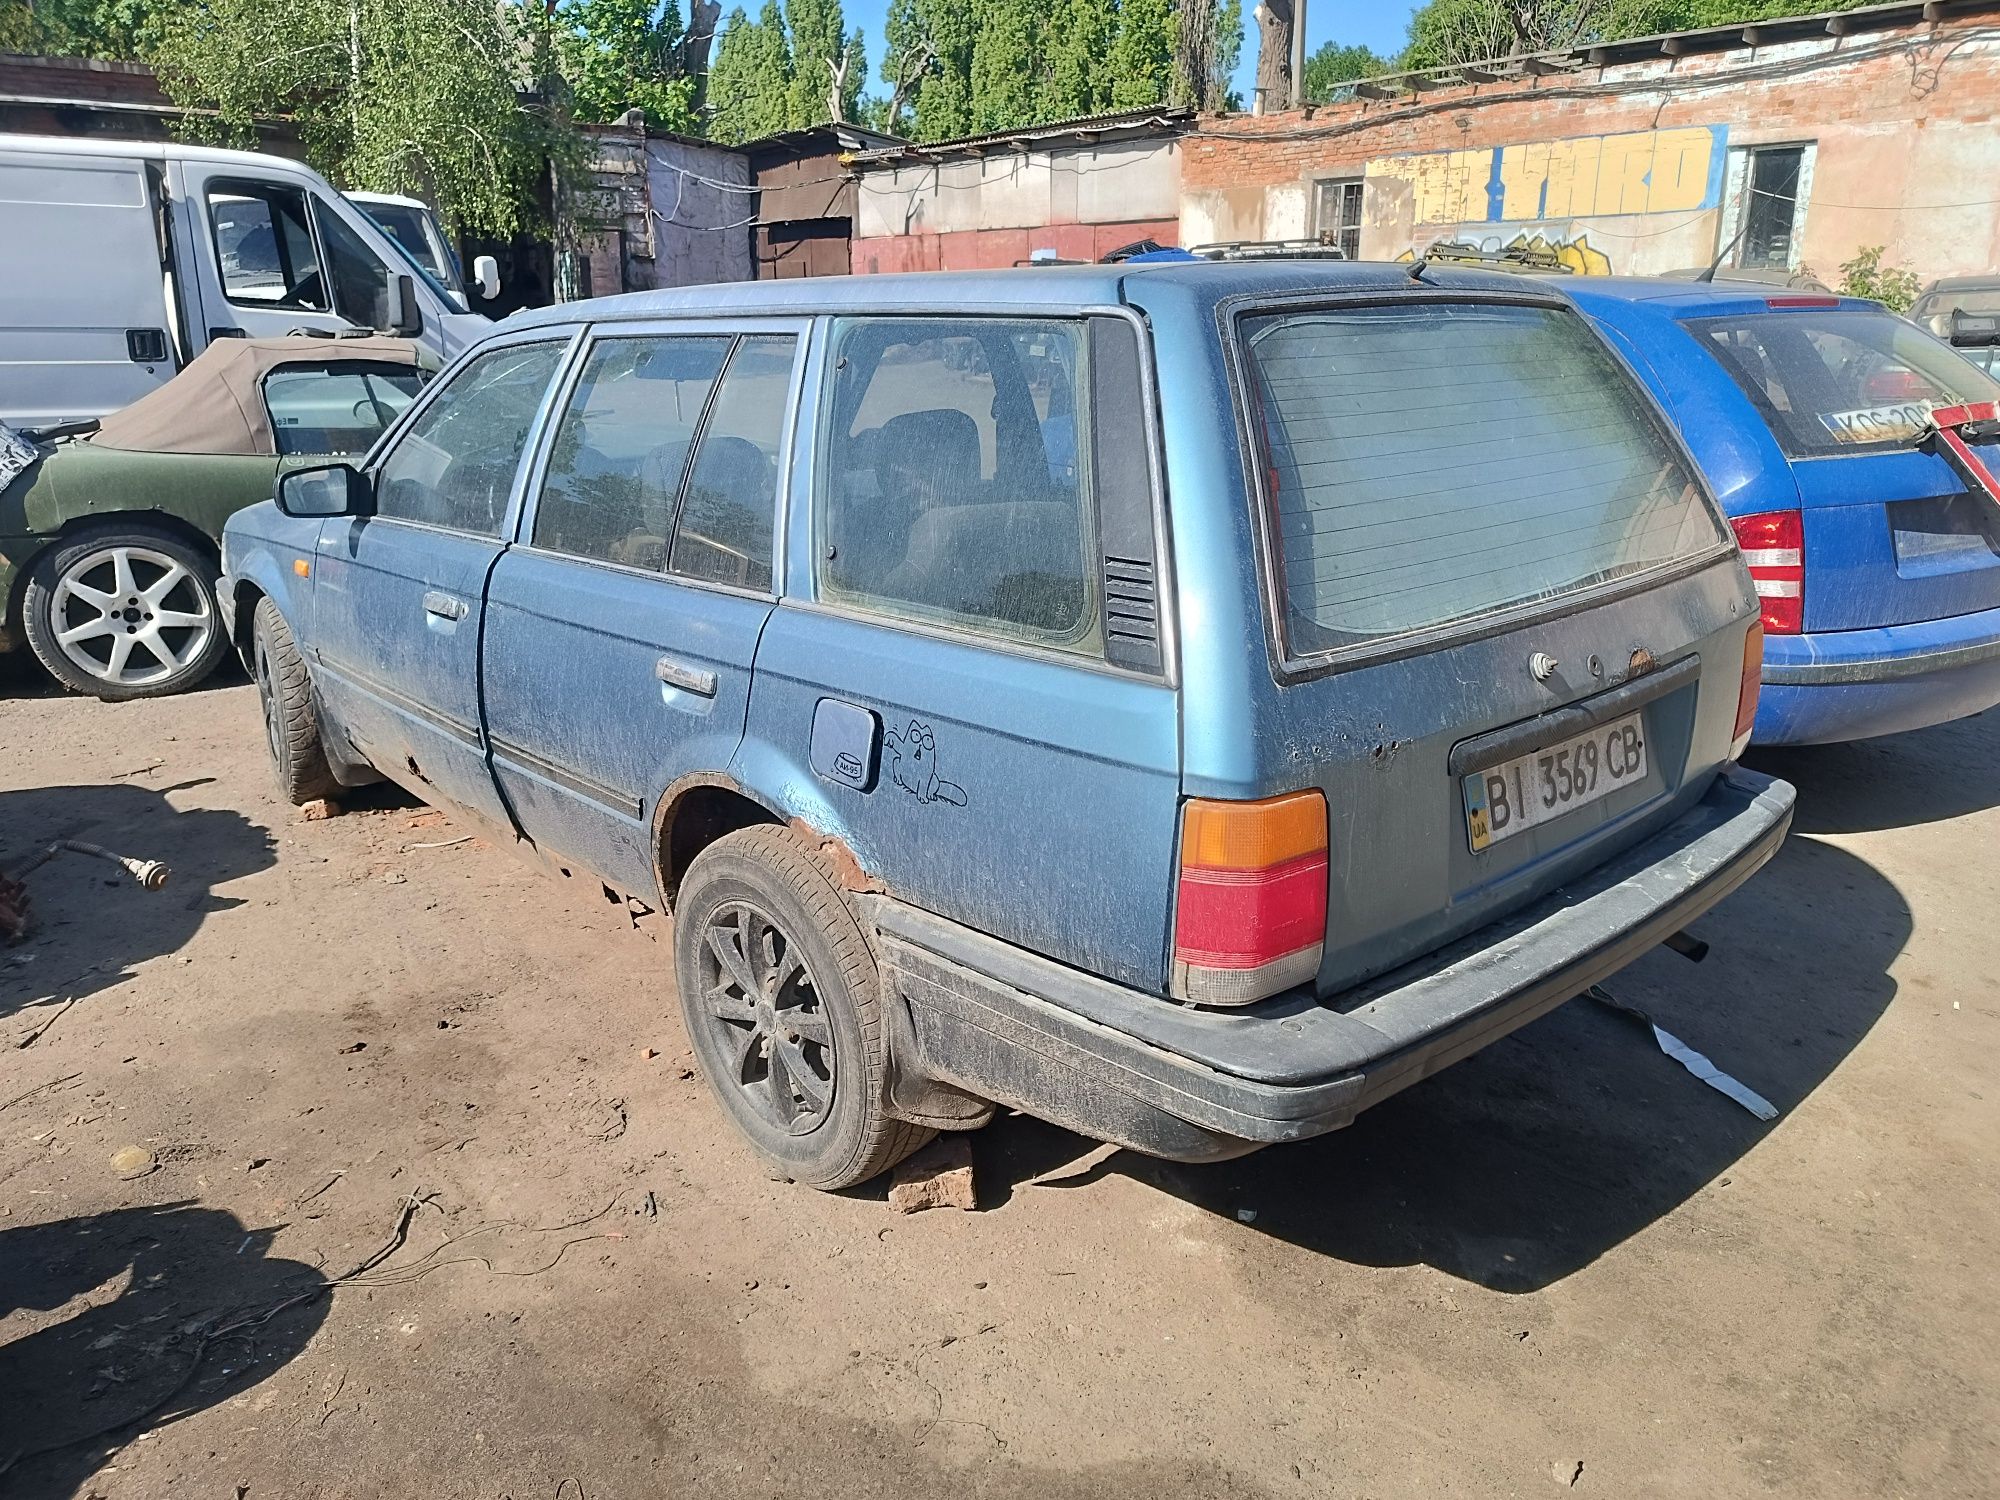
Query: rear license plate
[1532, 789]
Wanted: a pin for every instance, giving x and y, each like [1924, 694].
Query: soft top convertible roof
[215, 405]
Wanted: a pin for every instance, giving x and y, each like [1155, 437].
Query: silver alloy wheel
[130, 614]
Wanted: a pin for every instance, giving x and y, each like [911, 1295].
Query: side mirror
[486, 276]
[334, 490]
[403, 316]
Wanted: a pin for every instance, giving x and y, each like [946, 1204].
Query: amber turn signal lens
[1252, 835]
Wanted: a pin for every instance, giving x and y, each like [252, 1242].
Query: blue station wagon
[1876, 556]
[1184, 703]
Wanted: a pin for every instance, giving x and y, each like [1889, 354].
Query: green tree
[1005, 56]
[1445, 32]
[434, 97]
[1332, 65]
[120, 29]
[944, 102]
[1076, 78]
[1142, 56]
[749, 87]
[616, 55]
[818, 44]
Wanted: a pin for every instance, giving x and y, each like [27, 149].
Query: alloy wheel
[131, 615]
[762, 1008]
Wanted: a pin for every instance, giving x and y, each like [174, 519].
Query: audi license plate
[1531, 789]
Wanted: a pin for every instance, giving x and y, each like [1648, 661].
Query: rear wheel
[291, 721]
[126, 613]
[782, 1002]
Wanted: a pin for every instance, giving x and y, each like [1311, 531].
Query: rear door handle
[444, 606]
[689, 679]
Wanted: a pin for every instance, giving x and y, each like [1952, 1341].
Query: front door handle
[444, 606]
[680, 675]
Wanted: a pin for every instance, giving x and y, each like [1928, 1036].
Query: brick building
[1791, 144]
[1072, 190]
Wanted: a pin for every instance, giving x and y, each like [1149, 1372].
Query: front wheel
[291, 720]
[783, 1007]
[126, 613]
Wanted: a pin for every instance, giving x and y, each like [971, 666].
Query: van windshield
[1833, 381]
[1429, 465]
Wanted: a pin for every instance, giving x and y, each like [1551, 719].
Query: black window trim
[589, 336]
[1289, 666]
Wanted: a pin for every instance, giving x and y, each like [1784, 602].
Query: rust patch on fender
[847, 871]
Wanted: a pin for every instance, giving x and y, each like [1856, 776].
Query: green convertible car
[108, 537]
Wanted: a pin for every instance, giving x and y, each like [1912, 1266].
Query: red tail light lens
[1746, 691]
[1251, 916]
[1774, 549]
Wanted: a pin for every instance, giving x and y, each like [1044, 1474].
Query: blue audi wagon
[1187, 703]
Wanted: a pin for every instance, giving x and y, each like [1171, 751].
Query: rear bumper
[1124, 1066]
[1855, 684]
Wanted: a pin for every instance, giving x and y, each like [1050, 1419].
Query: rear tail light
[1746, 691]
[1774, 549]
[1251, 915]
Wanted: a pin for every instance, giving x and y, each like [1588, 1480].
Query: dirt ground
[1564, 1265]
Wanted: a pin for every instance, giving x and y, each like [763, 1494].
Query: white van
[413, 225]
[121, 260]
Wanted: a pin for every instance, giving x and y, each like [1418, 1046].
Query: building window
[1768, 190]
[1337, 214]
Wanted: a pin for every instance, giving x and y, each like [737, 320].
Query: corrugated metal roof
[1156, 117]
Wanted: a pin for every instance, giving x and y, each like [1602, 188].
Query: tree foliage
[1332, 65]
[619, 55]
[780, 71]
[434, 97]
[1444, 32]
[81, 28]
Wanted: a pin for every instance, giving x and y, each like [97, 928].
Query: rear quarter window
[1836, 381]
[1431, 467]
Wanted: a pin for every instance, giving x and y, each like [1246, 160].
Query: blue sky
[1380, 24]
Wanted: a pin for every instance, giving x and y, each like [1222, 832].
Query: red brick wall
[1908, 144]
[988, 249]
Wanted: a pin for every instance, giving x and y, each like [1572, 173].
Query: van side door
[622, 626]
[969, 679]
[84, 322]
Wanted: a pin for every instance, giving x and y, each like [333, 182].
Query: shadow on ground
[172, 1313]
[1529, 1160]
[90, 920]
[1899, 781]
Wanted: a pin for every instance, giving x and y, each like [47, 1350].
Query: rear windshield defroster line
[1430, 465]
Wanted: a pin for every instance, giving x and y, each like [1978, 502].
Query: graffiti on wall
[1545, 248]
[1591, 176]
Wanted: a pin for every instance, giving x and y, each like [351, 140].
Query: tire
[123, 612]
[291, 720]
[802, 1070]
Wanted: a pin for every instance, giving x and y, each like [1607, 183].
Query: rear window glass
[1834, 381]
[1435, 464]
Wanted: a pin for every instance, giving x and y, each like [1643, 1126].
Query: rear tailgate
[1512, 623]
[1892, 535]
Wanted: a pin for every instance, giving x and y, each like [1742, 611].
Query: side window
[455, 465]
[329, 409]
[264, 244]
[726, 519]
[360, 280]
[953, 484]
[619, 455]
